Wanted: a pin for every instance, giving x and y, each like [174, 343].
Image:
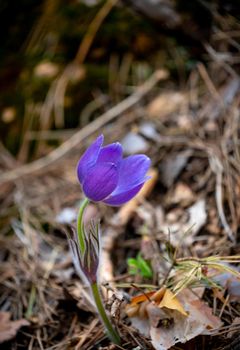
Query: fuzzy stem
[80, 225]
[112, 333]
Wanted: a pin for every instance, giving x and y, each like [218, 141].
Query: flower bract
[108, 177]
[86, 263]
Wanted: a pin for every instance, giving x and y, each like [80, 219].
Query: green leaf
[132, 266]
[132, 262]
[139, 266]
[145, 268]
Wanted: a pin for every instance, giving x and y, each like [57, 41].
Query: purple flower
[108, 177]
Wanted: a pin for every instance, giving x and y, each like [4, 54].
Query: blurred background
[64, 62]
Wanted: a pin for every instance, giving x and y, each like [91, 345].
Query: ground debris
[8, 328]
[168, 323]
[186, 119]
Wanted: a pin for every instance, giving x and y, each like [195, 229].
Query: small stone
[172, 167]
[66, 216]
[134, 143]
[148, 130]
[46, 70]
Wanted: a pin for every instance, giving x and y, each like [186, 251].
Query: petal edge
[111, 153]
[121, 198]
[132, 172]
[89, 158]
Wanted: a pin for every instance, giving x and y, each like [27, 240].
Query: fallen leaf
[142, 297]
[171, 302]
[186, 318]
[162, 298]
[8, 328]
[139, 301]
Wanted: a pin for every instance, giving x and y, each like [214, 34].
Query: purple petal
[132, 172]
[111, 153]
[100, 182]
[89, 158]
[123, 197]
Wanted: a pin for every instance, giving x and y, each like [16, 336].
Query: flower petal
[89, 158]
[123, 197]
[111, 153]
[100, 182]
[132, 172]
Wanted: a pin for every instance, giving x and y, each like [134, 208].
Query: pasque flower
[108, 177]
[105, 176]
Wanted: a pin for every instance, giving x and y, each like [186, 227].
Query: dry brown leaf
[171, 302]
[161, 298]
[8, 328]
[168, 326]
[129, 208]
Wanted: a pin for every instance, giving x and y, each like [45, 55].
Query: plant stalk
[111, 331]
[80, 225]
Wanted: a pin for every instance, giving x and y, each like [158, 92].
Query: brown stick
[92, 31]
[79, 136]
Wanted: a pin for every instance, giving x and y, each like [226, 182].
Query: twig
[218, 170]
[220, 59]
[92, 31]
[85, 132]
[212, 89]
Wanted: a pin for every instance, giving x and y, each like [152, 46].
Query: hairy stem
[112, 333]
[80, 225]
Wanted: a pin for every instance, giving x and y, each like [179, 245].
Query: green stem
[80, 225]
[112, 333]
[31, 302]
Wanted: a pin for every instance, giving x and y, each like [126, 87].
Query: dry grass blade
[218, 171]
[192, 271]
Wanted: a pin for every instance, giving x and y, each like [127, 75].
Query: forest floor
[181, 231]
